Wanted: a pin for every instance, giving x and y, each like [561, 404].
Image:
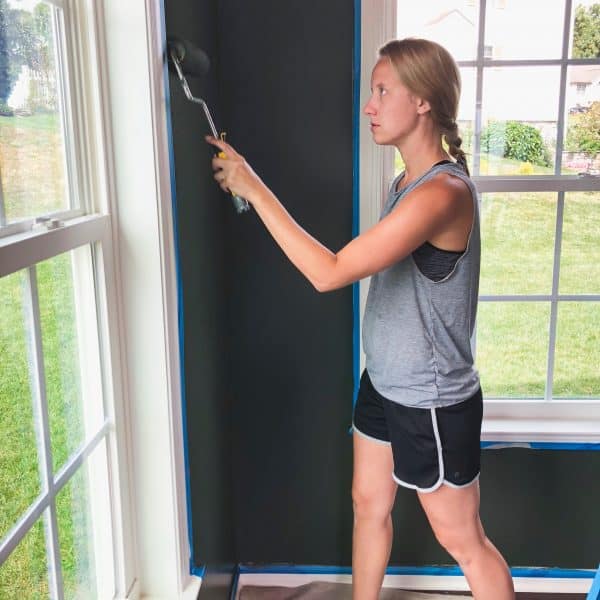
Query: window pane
[32, 142]
[582, 120]
[577, 350]
[512, 346]
[86, 491]
[25, 572]
[580, 251]
[451, 23]
[519, 116]
[60, 280]
[517, 237]
[586, 24]
[524, 30]
[20, 481]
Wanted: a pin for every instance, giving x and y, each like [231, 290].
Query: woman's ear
[423, 106]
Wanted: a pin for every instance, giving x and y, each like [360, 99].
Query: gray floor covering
[320, 590]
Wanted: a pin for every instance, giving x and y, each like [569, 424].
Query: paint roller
[186, 59]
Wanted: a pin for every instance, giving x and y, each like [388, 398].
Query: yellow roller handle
[222, 154]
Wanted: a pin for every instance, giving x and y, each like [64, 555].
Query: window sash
[25, 252]
[67, 105]
[30, 247]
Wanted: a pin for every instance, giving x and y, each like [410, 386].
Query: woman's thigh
[373, 488]
[453, 514]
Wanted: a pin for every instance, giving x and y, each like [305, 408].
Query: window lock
[47, 223]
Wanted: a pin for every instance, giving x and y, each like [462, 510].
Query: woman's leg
[454, 517]
[373, 494]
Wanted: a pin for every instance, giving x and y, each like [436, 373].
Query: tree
[586, 32]
[26, 40]
[8, 77]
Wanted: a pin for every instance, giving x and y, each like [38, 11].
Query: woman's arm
[423, 214]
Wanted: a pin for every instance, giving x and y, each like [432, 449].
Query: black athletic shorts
[430, 446]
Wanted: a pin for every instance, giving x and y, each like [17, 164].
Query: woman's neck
[419, 153]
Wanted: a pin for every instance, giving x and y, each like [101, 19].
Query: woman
[419, 407]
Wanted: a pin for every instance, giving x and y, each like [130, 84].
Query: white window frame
[119, 112]
[131, 59]
[505, 420]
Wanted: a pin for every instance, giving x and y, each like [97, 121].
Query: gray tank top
[416, 331]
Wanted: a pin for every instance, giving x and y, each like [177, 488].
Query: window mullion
[2, 209]
[560, 125]
[479, 88]
[554, 302]
[33, 513]
[42, 428]
[53, 552]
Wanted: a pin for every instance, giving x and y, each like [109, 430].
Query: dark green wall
[540, 507]
[204, 249]
[268, 360]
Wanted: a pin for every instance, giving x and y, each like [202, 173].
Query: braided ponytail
[454, 141]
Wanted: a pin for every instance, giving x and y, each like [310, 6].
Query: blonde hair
[429, 71]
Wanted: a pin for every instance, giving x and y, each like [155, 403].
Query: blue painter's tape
[355, 191]
[541, 445]
[180, 313]
[236, 580]
[198, 571]
[551, 573]
[564, 446]
[594, 593]
[431, 570]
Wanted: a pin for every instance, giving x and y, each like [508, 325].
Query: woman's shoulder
[447, 184]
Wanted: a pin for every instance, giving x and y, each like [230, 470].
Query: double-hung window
[529, 118]
[60, 536]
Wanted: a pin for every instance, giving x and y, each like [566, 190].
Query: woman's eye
[382, 91]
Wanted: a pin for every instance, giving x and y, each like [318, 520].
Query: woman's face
[393, 111]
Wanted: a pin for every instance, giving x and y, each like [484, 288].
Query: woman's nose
[368, 109]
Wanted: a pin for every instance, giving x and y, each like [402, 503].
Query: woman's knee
[372, 503]
[462, 544]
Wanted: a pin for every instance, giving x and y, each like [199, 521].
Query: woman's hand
[233, 173]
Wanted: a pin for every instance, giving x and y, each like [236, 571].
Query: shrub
[512, 139]
[6, 110]
[525, 168]
[583, 133]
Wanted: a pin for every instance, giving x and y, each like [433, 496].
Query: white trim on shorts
[438, 444]
[355, 428]
[464, 485]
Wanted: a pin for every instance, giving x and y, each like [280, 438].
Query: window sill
[559, 421]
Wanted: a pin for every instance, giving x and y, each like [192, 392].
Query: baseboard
[454, 583]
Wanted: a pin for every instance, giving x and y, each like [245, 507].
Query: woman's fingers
[220, 177]
[231, 171]
[221, 145]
